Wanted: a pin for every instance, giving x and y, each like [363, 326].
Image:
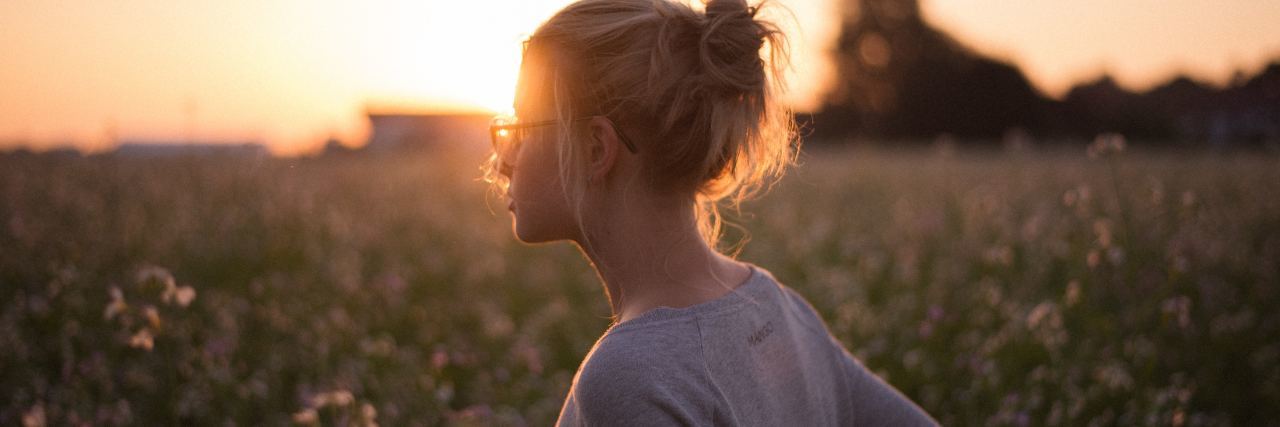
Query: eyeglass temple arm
[631, 146]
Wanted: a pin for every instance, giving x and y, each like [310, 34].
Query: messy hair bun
[730, 45]
[696, 90]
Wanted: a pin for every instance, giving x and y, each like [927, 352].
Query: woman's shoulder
[645, 374]
[799, 309]
[668, 345]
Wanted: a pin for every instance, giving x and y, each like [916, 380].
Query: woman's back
[635, 122]
[757, 356]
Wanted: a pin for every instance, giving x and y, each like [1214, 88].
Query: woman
[636, 118]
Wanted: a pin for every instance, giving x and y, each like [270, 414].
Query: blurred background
[292, 75]
[270, 212]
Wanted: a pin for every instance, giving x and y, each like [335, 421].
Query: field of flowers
[994, 288]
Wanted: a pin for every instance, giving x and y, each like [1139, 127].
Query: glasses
[507, 133]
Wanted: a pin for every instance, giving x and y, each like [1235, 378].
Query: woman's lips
[511, 206]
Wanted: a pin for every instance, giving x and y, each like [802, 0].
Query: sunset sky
[292, 73]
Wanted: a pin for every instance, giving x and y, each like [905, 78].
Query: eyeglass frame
[506, 168]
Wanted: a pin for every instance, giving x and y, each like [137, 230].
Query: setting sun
[437, 56]
[288, 75]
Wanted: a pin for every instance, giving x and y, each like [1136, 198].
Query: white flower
[158, 274]
[34, 417]
[153, 316]
[181, 295]
[306, 416]
[335, 398]
[185, 295]
[143, 340]
[116, 306]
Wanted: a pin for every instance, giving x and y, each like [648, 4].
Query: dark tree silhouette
[900, 79]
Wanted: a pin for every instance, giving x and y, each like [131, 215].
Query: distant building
[335, 147]
[58, 152]
[405, 132]
[166, 149]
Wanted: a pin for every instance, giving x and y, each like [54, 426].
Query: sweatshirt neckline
[753, 289]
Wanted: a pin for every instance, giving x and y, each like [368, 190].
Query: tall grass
[1035, 288]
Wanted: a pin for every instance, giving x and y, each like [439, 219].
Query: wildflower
[925, 329]
[444, 394]
[155, 274]
[439, 359]
[1103, 228]
[185, 295]
[306, 416]
[1188, 198]
[34, 417]
[335, 398]
[152, 315]
[1179, 309]
[473, 414]
[1001, 255]
[912, 359]
[530, 355]
[143, 340]
[495, 322]
[1180, 264]
[116, 306]
[369, 414]
[171, 293]
[341, 398]
[1106, 144]
[1073, 293]
[1115, 256]
[381, 346]
[1157, 191]
[1114, 376]
[1078, 195]
[181, 295]
[1038, 314]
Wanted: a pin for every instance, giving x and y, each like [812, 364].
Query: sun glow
[292, 74]
[289, 74]
[461, 56]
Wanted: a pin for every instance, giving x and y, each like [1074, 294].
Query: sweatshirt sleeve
[871, 400]
[624, 395]
[876, 403]
[635, 401]
[628, 386]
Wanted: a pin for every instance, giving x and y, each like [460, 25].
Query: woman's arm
[876, 403]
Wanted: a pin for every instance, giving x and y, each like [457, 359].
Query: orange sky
[1140, 42]
[293, 72]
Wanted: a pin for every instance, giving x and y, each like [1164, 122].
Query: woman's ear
[605, 148]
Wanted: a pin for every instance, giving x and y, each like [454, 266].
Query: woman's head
[693, 93]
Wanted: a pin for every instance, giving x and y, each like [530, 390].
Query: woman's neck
[654, 258]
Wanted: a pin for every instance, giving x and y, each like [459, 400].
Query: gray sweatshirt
[759, 355]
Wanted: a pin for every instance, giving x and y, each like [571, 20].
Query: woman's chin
[524, 234]
[529, 234]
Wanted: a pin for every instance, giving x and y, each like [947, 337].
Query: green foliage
[1041, 288]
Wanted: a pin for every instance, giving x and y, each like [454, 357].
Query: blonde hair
[696, 91]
